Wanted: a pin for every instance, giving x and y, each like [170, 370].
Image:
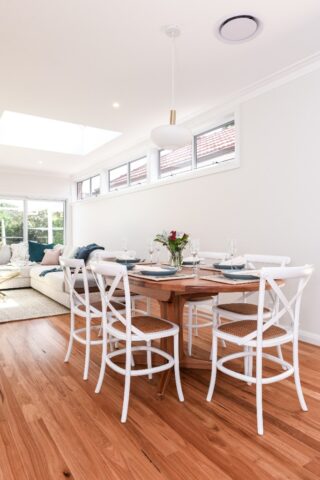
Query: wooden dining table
[172, 295]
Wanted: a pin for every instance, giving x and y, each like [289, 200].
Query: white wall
[35, 185]
[271, 204]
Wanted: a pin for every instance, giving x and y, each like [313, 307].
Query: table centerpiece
[175, 242]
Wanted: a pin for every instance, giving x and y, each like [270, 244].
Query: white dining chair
[200, 301]
[109, 255]
[240, 308]
[76, 279]
[127, 328]
[261, 334]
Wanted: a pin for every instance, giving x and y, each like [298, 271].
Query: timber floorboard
[53, 425]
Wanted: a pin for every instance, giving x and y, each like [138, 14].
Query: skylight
[29, 131]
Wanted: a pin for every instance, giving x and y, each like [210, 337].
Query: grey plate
[189, 262]
[239, 276]
[128, 261]
[220, 266]
[166, 272]
[130, 266]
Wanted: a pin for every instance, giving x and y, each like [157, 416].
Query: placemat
[177, 276]
[222, 279]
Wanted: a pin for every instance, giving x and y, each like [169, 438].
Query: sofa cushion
[19, 252]
[5, 254]
[36, 250]
[51, 257]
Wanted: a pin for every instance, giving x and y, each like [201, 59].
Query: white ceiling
[70, 60]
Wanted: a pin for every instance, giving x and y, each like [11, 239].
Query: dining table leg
[172, 311]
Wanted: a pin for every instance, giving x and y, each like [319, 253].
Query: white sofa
[52, 284]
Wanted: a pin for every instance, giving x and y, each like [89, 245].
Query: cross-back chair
[265, 333]
[240, 308]
[124, 327]
[76, 280]
[105, 255]
[205, 302]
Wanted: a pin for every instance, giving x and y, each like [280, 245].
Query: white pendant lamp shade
[171, 136]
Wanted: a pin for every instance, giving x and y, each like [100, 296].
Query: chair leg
[127, 381]
[68, 354]
[280, 356]
[149, 359]
[250, 363]
[103, 360]
[245, 361]
[223, 343]
[195, 313]
[190, 324]
[88, 345]
[214, 356]
[259, 390]
[133, 363]
[176, 367]
[297, 382]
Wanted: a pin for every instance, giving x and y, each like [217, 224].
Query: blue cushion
[84, 252]
[36, 250]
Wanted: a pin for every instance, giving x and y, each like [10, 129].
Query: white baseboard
[309, 337]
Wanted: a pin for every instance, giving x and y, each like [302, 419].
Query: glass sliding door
[46, 221]
[11, 221]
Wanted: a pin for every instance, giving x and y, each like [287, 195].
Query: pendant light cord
[173, 62]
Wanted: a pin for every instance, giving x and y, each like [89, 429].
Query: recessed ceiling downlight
[239, 28]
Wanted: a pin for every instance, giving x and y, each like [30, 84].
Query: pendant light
[172, 136]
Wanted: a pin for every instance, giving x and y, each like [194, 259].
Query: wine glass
[151, 250]
[124, 244]
[158, 251]
[194, 250]
[232, 249]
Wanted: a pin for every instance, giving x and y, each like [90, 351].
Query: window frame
[25, 200]
[154, 180]
[196, 165]
[115, 168]
[177, 172]
[80, 182]
[128, 174]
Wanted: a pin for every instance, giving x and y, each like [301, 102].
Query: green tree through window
[11, 221]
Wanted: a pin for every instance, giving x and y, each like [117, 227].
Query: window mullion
[25, 220]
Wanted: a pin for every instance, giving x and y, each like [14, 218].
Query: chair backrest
[287, 304]
[277, 260]
[110, 276]
[75, 276]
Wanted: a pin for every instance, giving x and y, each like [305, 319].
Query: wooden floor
[53, 425]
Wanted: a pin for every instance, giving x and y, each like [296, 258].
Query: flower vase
[176, 260]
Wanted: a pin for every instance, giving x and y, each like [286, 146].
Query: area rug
[27, 303]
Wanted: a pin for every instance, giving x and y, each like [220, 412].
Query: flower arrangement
[175, 242]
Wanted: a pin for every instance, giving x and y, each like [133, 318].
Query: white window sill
[182, 177]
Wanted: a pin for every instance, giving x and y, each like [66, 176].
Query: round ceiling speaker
[239, 28]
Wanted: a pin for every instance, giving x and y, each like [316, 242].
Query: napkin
[234, 261]
[141, 268]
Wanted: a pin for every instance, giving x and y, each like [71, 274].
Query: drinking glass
[194, 250]
[124, 244]
[158, 251]
[232, 249]
[151, 250]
